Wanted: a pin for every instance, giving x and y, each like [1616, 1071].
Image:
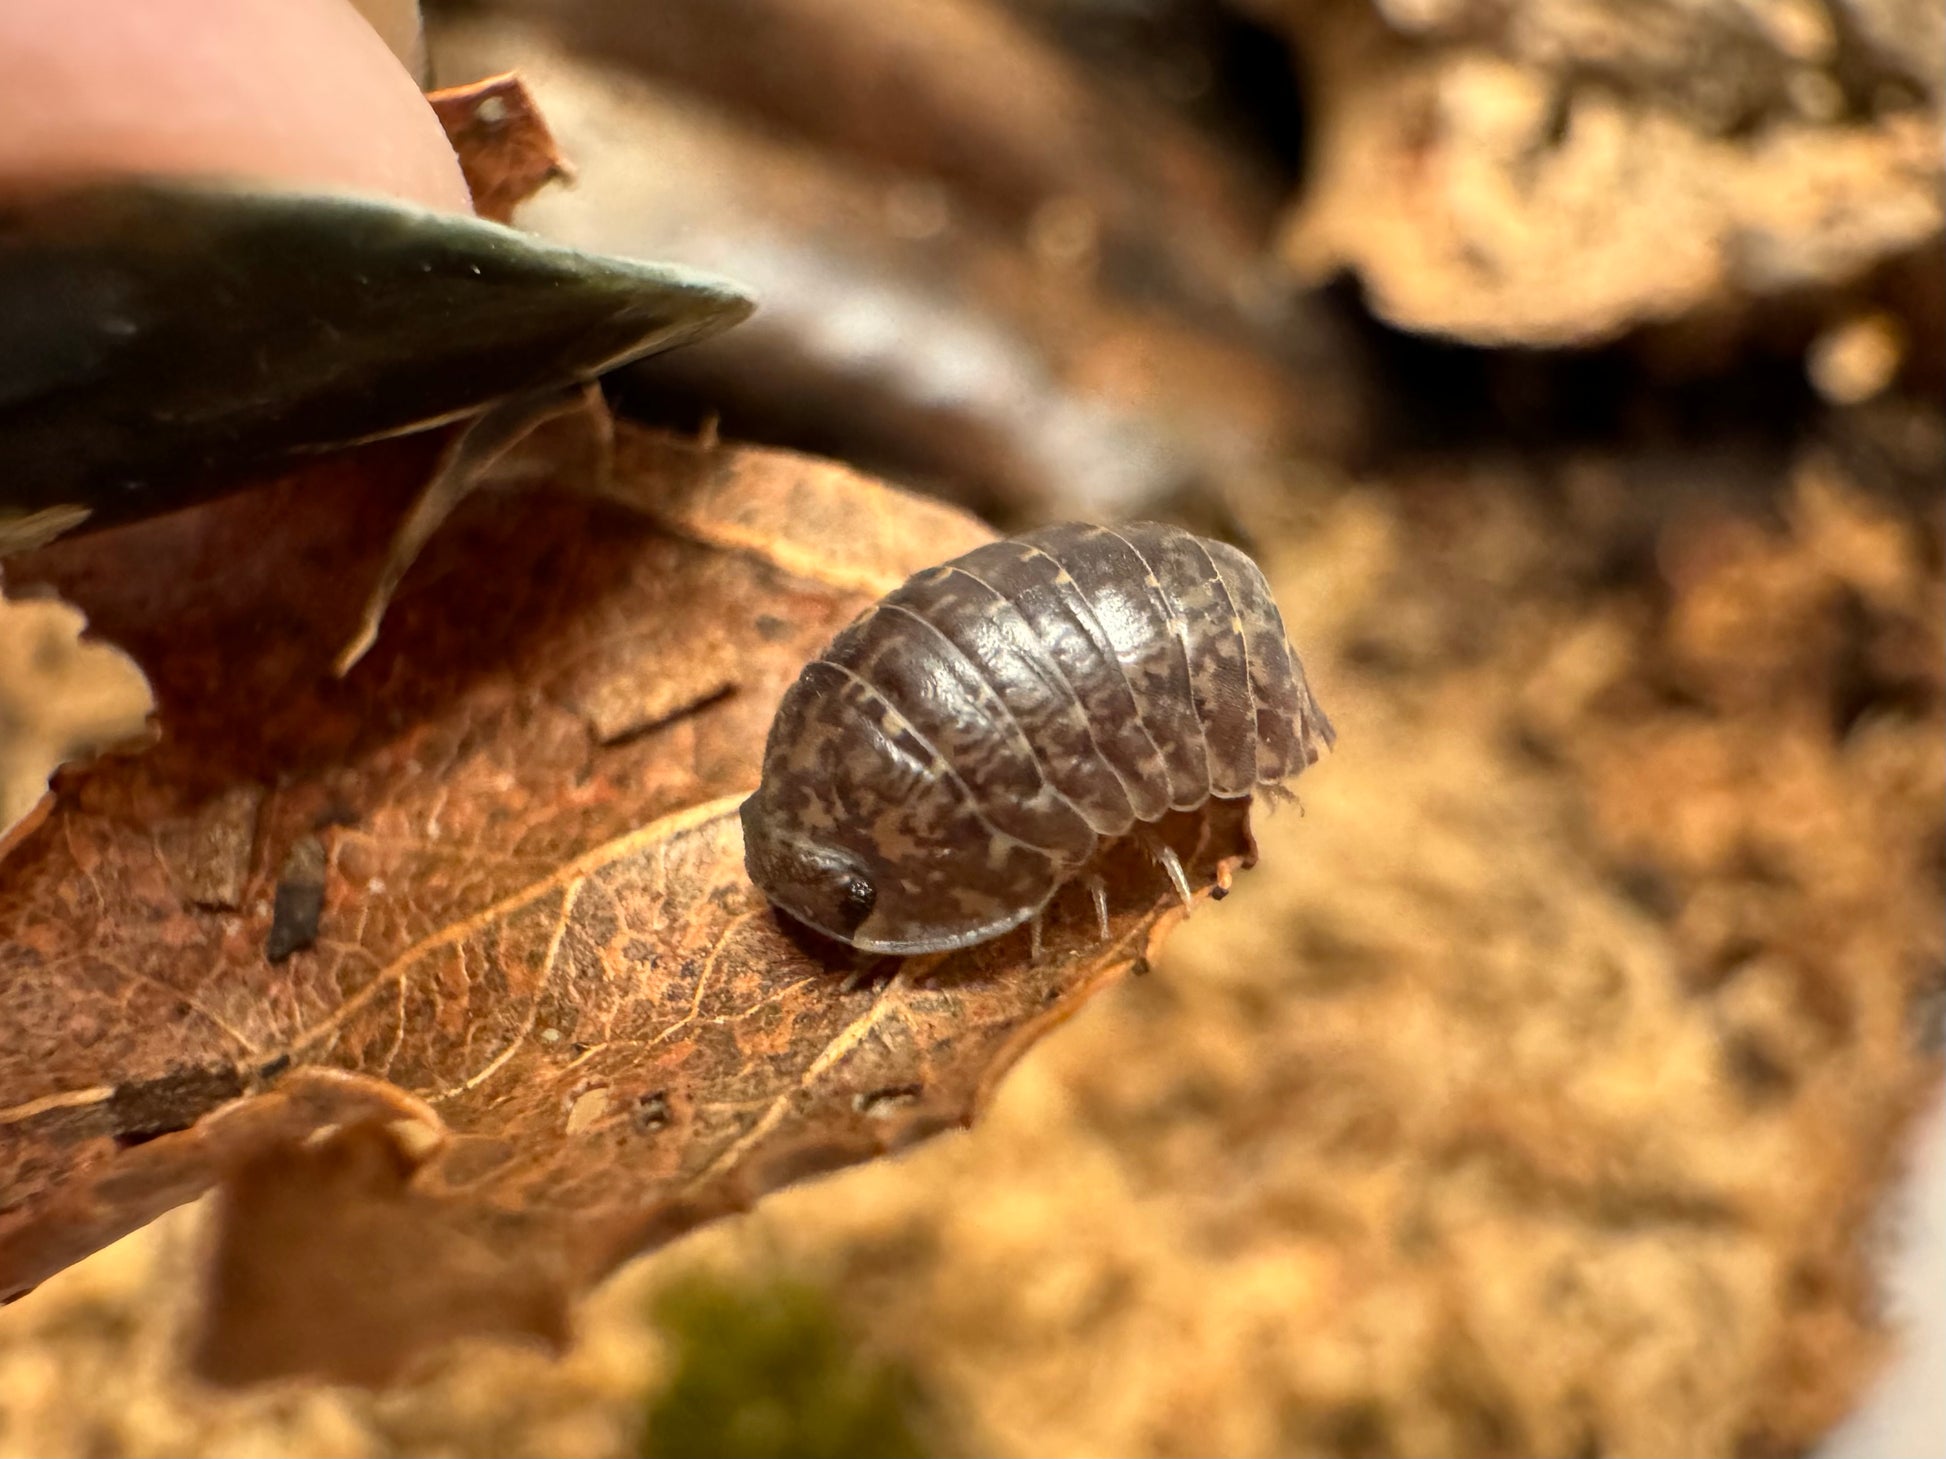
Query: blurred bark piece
[1557, 173]
[505, 149]
[478, 894]
[958, 93]
[1720, 63]
[62, 698]
[897, 330]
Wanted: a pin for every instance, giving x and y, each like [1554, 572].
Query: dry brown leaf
[495, 1007]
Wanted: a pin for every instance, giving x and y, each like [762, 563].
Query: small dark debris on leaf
[299, 901]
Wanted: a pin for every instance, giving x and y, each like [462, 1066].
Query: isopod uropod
[967, 745]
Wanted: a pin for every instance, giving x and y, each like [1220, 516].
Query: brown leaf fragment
[473, 451]
[326, 1262]
[503, 971]
[62, 698]
[506, 152]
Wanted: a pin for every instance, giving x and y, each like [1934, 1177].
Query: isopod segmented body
[966, 746]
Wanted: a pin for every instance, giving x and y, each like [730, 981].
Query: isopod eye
[860, 897]
[828, 889]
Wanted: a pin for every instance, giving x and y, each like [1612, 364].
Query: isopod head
[825, 886]
[860, 831]
[955, 893]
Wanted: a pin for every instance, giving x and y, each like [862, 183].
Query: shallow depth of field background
[1574, 368]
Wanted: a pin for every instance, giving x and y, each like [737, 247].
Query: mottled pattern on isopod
[965, 747]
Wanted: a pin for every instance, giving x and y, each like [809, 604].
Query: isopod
[967, 745]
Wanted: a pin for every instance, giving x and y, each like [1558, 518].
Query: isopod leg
[1167, 859]
[1174, 866]
[1098, 893]
[1034, 939]
[878, 969]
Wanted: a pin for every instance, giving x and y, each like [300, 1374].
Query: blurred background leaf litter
[1575, 369]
